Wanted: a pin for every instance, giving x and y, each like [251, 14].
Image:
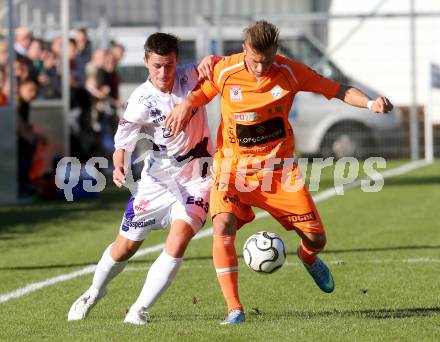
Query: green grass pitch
[383, 249]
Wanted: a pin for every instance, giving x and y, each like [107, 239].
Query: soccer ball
[264, 252]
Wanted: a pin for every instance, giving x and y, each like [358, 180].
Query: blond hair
[261, 36]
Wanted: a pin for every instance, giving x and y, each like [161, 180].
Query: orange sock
[226, 265]
[307, 254]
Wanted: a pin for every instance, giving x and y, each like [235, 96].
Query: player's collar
[154, 90]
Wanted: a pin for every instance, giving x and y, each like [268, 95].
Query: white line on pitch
[322, 196]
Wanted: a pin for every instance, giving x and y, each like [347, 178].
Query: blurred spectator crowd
[94, 93]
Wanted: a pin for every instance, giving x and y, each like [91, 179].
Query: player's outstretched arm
[181, 114]
[119, 162]
[355, 97]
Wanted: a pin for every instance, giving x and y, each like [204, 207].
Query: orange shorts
[283, 195]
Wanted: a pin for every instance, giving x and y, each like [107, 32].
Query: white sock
[106, 270]
[159, 277]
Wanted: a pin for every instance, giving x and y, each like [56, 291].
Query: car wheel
[348, 140]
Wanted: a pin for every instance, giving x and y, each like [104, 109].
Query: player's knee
[318, 241]
[123, 255]
[176, 248]
[178, 239]
[124, 252]
[119, 257]
[176, 251]
[225, 224]
[314, 242]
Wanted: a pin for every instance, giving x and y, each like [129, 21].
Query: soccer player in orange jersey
[257, 89]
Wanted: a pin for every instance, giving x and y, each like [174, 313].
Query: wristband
[370, 104]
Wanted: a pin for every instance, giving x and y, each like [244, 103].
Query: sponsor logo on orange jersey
[231, 135]
[232, 199]
[245, 117]
[262, 133]
[276, 91]
[296, 218]
[259, 149]
[235, 94]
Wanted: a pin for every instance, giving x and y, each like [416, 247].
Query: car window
[302, 50]
[232, 46]
[187, 51]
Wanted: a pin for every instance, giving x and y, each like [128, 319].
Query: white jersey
[169, 155]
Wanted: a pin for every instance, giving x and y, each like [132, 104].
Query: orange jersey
[255, 113]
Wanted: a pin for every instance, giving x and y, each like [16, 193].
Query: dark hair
[73, 42]
[39, 41]
[27, 81]
[261, 36]
[115, 44]
[161, 44]
[83, 30]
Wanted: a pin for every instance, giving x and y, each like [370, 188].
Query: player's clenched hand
[382, 105]
[120, 170]
[178, 118]
[206, 67]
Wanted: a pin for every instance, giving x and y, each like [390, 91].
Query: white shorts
[156, 205]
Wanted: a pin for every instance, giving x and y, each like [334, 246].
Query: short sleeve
[211, 88]
[137, 107]
[191, 75]
[311, 81]
[134, 118]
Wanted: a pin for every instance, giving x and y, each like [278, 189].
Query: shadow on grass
[367, 313]
[55, 266]
[28, 217]
[256, 314]
[208, 257]
[378, 249]
[412, 181]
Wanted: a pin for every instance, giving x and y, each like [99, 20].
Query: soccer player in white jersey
[174, 186]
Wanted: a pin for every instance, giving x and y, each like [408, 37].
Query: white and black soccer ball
[264, 252]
